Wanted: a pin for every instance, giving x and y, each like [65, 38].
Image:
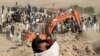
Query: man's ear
[47, 44]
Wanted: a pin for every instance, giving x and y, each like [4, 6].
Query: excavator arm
[77, 16]
[53, 23]
[62, 17]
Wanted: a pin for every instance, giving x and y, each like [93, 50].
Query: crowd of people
[27, 15]
[36, 20]
[90, 22]
[30, 15]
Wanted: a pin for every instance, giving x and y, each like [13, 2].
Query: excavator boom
[63, 17]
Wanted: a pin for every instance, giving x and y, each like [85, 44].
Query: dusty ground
[69, 45]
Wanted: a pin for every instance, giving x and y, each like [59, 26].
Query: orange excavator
[62, 17]
[30, 36]
[41, 42]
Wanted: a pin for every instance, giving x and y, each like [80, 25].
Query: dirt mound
[96, 47]
[70, 45]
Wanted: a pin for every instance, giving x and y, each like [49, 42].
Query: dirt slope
[69, 45]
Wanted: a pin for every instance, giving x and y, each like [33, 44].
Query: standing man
[0, 25]
[12, 29]
[3, 8]
[8, 32]
[94, 22]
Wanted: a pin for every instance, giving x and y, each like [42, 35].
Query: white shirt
[52, 51]
[37, 20]
[0, 21]
[9, 28]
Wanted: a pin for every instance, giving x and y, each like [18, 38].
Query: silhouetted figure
[3, 8]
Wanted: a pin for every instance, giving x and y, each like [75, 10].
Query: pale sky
[58, 3]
